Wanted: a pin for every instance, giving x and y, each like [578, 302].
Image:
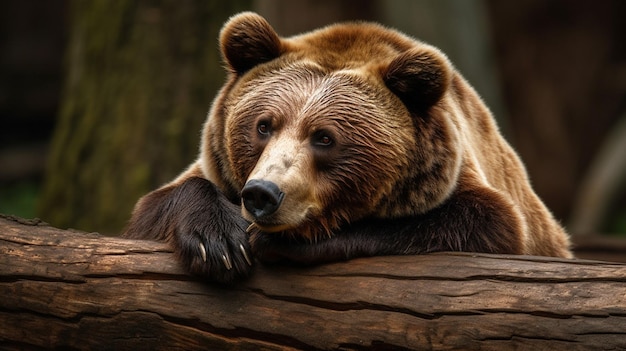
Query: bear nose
[261, 197]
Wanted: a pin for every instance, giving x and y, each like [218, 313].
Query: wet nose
[261, 198]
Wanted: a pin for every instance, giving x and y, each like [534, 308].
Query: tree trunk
[140, 79]
[66, 289]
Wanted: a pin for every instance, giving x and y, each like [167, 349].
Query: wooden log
[74, 290]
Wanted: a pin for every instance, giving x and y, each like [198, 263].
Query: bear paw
[211, 238]
[221, 257]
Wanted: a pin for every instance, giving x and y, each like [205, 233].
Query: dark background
[103, 101]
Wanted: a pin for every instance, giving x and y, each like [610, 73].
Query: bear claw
[202, 252]
[245, 255]
[251, 228]
[227, 262]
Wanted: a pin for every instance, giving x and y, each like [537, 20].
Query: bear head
[326, 128]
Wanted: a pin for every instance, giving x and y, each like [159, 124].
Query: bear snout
[261, 198]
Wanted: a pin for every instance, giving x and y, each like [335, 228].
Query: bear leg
[206, 230]
[474, 220]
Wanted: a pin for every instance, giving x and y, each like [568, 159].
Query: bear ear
[247, 40]
[419, 77]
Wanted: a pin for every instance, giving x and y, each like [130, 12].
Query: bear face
[352, 140]
[335, 143]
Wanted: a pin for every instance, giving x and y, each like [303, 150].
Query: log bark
[74, 290]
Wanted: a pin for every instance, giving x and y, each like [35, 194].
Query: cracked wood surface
[67, 289]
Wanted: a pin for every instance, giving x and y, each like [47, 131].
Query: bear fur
[351, 140]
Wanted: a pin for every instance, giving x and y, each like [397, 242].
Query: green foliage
[19, 199]
[617, 222]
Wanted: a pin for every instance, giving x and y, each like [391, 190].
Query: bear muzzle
[278, 195]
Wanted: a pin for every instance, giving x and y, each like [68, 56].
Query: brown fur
[361, 128]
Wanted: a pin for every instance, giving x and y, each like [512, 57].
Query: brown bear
[351, 140]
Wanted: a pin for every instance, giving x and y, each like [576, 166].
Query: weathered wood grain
[74, 290]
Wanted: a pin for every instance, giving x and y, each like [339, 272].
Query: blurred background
[102, 101]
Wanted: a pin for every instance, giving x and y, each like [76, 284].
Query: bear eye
[263, 128]
[323, 139]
